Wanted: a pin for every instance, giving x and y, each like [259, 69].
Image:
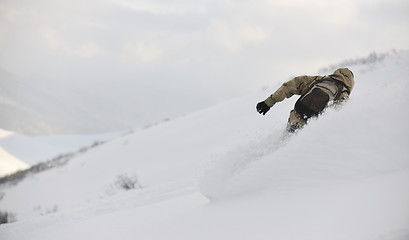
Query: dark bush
[127, 182]
[6, 217]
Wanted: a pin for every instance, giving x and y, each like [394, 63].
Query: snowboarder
[317, 92]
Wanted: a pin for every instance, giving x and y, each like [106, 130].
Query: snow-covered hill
[9, 163]
[229, 173]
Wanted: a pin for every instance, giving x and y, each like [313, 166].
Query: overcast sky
[215, 49]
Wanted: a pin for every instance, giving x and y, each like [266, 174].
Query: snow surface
[229, 173]
[9, 163]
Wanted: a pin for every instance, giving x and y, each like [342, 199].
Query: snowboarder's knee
[295, 122]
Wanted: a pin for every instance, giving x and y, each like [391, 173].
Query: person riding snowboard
[317, 92]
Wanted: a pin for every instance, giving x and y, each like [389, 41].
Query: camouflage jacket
[300, 85]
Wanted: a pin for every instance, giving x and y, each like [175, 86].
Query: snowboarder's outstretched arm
[296, 86]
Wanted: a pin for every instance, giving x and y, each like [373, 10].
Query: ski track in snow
[214, 181]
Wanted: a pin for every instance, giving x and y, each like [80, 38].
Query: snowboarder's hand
[262, 108]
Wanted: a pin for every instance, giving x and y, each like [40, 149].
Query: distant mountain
[35, 106]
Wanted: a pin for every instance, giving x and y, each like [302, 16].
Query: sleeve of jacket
[296, 86]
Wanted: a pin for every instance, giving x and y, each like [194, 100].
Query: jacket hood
[346, 76]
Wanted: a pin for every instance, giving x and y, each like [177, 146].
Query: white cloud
[234, 37]
[89, 50]
[302, 3]
[10, 14]
[252, 34]
[162, 8]
[3, 32]
[53, 41]
[142, 52]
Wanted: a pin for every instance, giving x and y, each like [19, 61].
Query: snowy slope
[229, 173]
[9, 163]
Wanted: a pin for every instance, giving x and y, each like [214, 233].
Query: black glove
[262, 108]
